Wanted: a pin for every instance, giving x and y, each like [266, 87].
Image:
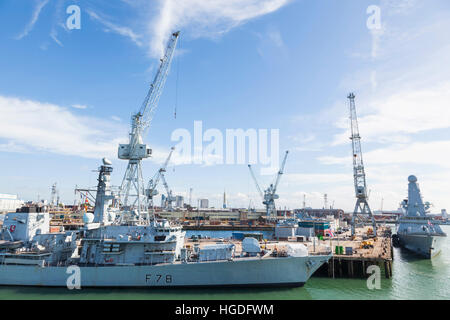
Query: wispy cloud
[31, 126]
[79, 106]
[34, 18]
[53, 35]
[393, 118]
[271, 44]
[200, 18]
[111, 27]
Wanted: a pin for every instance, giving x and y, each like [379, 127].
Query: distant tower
[325, 201]
[190, 197]
[304, 201]
[224, 200]
[359, 176]
[204, 203]
[54, 199]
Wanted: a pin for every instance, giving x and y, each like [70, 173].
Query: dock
[357, 257]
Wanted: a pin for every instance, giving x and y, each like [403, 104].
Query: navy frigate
[416, 231]
[112, 252]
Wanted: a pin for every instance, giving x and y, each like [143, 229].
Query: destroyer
[416, 231]
[137, 253]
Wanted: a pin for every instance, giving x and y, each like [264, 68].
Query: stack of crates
[339, 250]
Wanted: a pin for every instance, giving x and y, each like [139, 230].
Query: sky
[67, 94]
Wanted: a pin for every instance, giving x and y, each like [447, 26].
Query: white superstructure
[9, 202]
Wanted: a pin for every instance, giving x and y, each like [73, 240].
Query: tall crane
[359, 176]
[151, 191]
[269, 196]
[132, 193]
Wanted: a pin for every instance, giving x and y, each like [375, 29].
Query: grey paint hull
[290, 271]
[427, 246]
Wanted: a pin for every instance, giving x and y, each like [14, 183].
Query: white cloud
[79, 106]
[53, 35]
[301, 179]
[394, 117]
[123, 31]
[30, 126]
[435, 153]
[208, 18]
[34, 18]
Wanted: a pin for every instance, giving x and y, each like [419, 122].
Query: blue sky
[66, 96]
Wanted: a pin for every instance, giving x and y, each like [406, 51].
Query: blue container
[238, 235]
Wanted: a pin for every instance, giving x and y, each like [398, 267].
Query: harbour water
[413, 278]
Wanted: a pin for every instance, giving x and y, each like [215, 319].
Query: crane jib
[132, 191]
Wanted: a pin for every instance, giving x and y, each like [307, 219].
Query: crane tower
[359, 176]
[153, 183]
[132, 190]
[269, 196]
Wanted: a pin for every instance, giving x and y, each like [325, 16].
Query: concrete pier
[354, 262]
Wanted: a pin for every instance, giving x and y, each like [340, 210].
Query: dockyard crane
[153, 182]
[132, 188]
[269, 196]
[169, 198]
[359, 176]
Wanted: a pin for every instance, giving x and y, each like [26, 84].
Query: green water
[413, 278]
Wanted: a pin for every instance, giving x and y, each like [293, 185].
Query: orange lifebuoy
[12, 228]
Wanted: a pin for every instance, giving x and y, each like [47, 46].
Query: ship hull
[427, 246]
[289, 271]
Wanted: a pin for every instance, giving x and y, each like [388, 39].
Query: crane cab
[140, 152]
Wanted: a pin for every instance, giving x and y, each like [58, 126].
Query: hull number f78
[158, 278]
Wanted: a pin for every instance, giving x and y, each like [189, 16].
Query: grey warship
[151, 253]
[416, 231]
[127, 246]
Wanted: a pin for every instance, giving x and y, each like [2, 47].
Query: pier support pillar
[386, 269]
[350, 269]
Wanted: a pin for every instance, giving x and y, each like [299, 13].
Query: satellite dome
[88, 217]
[412, 179]
[106, 162]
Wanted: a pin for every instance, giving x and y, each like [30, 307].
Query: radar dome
[88, 217]
[412, 179]
[107, 162]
